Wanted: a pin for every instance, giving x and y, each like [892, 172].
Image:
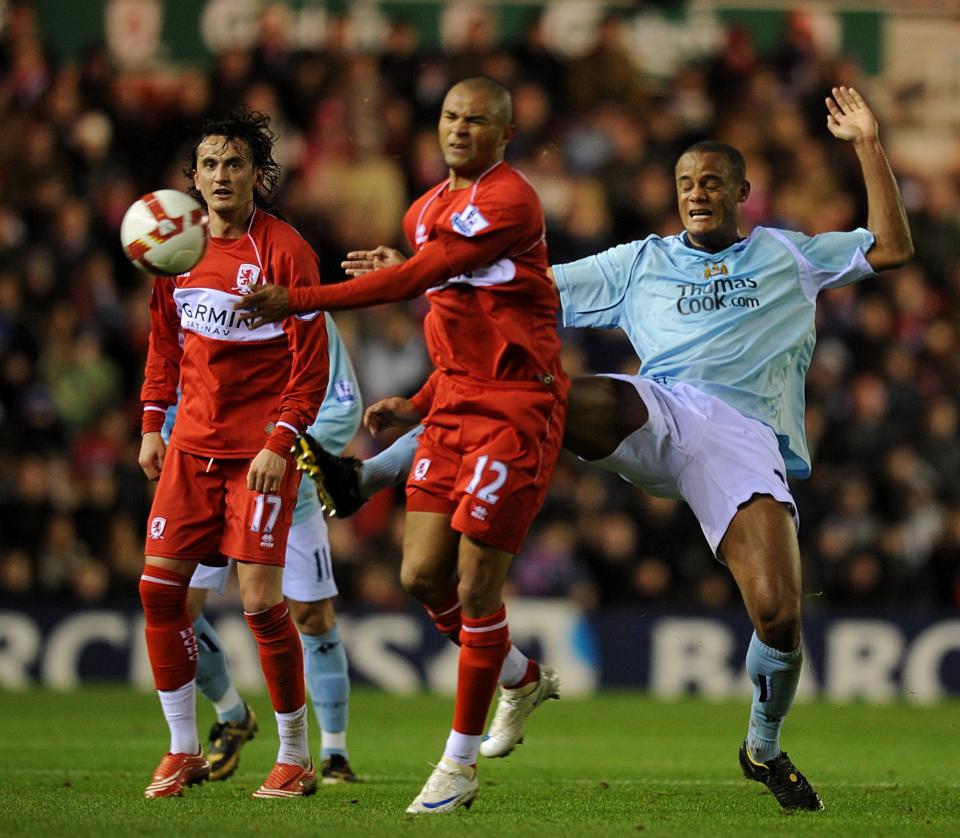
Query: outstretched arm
[849, 118]
[360, 262]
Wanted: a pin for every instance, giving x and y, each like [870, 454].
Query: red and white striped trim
[157, 581]
[484, 629]
[450, 610]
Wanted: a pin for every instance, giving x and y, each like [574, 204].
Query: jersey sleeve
[427, 268]
[593, 289]
[340, 413]
[475, 238]
[830, 260]
[297, 266]
[499, 226]
[161, 373]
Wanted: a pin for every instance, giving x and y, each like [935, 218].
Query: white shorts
[697, 447]
[307, 574]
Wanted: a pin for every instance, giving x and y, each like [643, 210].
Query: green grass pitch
[617, 764]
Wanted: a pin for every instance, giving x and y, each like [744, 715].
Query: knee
[313, 618]
[420, 584]
[257, 598]
[777, 621]
[261, 586]
[601, 413]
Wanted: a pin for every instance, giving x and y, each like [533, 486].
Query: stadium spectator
[97, 162]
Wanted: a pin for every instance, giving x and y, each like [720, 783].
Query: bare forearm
[886, 217]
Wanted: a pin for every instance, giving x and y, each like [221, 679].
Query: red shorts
[486, 458]
[203, 511]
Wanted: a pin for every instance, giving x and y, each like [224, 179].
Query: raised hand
[849, 118]
[360, 262]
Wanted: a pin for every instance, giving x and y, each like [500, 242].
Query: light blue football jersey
[337, 420]
[738, 324]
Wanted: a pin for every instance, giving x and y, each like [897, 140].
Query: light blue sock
[391, 466]
[329, 686]
[775, 676]
[213, 677]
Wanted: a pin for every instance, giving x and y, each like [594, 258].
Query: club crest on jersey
[345, 392]
[421, 468]
[716, 269]
[157, 526]
[469, 222]
[247, 277]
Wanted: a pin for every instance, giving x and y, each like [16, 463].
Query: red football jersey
[481, 257]
[242, 389]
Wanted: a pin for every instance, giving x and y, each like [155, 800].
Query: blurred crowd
[357, 138]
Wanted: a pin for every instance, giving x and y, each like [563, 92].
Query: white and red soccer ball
[164, 232]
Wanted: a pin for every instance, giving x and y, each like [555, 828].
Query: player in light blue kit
[725, 327]
[309, 587]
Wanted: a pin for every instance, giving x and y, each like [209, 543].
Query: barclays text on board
[846, 657]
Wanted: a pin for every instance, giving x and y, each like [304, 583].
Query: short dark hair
[738, 166]
[500, 98]
[253, 129]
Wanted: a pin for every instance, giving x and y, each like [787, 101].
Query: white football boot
[450, 786]
[513, 708]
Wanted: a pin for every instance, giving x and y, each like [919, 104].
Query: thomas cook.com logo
[719, 294]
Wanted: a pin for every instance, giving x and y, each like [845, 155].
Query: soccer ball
[164, 232]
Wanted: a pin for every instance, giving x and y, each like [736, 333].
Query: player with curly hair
[226, 483]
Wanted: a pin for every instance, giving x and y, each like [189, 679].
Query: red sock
[281, 656]
[171, 643]
[483, 646]
[447, 617]
[532, 674]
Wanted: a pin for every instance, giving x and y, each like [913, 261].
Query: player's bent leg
[281, 658]
[335, 478]
[430, 561]
[429, 557]
[391, 466]
[480, 581]
[601, 413]
[760, 548]
[344, 484]
[171, 646]
[518, 670]
[236, 722]
[328, 683]
[514, 708]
